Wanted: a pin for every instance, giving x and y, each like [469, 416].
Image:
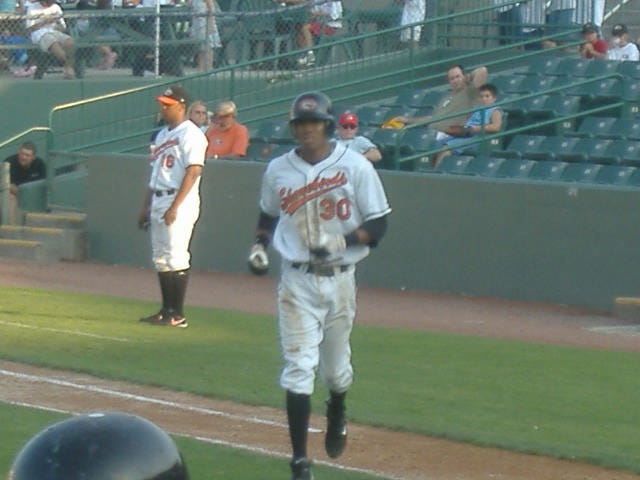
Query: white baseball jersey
[335, 195]
[358, 143]
[175, 150]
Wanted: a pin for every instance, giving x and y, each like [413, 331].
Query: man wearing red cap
[172, 203]
[347, 130]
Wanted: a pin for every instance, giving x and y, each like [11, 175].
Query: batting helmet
[313, 106]
[100, 446]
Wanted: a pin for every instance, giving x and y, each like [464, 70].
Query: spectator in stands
[533, 20]
[24, 167]
[205, 29]
[413, 11]
[107, 55]
[463, 95]
[589, 11]
[621, 48]
[486, 120]
[227, 138]
[593, 46]
[16, 59]
[198, 114]
[509, 20]
[46, 27]
[560, 14]
[347, 135]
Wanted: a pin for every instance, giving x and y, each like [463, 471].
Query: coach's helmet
[313, 106]
[100, 446]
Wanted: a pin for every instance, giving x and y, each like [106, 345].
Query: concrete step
[56, 220]
[57, 243]
[22, 249]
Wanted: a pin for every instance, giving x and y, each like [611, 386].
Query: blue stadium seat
[371, 115]
[388, 142]
[273, 131]
[552, 147]
[615, 175]
[591, 127]
[416, 140]
[483, 166]
[508, 84]
[619, 151]
[584, 149]
[569, 66]
[520, 145]
[601, 67]
[580, 172]
[629, 69]
[407, 97]
[626, 128]
[453, 164]
[634, 179]
[547, 170]
[535, 83]
[515, 168]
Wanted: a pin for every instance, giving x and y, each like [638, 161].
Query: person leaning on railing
[24, 167]
[462, 96]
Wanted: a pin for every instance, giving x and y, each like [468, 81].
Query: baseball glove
[258, 260]
[458, 131]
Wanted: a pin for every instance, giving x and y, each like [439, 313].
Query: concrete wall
[539, 242]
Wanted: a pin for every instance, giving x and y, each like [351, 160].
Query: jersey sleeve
[370, 195]
[194, 147]
[269, 199]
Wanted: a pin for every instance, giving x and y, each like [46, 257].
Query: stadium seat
[618, 151]
[403, 111]
[634, 179]
[453, 164]
[508, 84]
[593, 127]
[626, 128]
[515, 168]
[524, 107]
[432, 98]
[263, 152]
[580, 172]
[371, 115]
[629, 69]
[614, 175]
[535, 83]
[584, 149]
[601, 67]
[416, 140]
[540, 68]
[569, 66]
[520, 145]
[598, 93]
[273, 131]
[407, 97]
[551, 147]
[483, 166]
[547, 171]
[388, 142]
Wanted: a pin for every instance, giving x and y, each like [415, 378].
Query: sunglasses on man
[349, 127]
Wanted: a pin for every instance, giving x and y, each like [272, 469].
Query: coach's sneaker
[173, 321]
[301, 469]
[155, 319]
[335, 439]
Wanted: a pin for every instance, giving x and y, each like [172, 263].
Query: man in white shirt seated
[46, 28]
[621, 48]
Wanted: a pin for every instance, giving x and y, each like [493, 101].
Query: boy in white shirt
[621, 48]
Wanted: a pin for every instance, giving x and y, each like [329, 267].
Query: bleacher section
[567, 119]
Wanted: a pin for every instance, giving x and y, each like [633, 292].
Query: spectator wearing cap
[347, 130]
[621, 48]
[592, 46]
[226, 136]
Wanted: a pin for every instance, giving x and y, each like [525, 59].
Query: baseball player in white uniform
[324, 206]
[172, 203]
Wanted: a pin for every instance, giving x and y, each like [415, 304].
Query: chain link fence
[176, 39]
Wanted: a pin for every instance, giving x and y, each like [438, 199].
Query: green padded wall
[463, 235]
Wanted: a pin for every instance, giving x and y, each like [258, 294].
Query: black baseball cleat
[335, 439]
[155, 319]
[301, 469]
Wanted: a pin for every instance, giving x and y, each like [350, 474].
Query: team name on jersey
[172, 142]
[292, 200]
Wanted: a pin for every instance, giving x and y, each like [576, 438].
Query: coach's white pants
[315, 316]
[170, 244]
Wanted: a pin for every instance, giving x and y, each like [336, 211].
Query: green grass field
[559, 401]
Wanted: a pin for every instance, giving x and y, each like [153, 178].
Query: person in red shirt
[593, 46]
[227, 138]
